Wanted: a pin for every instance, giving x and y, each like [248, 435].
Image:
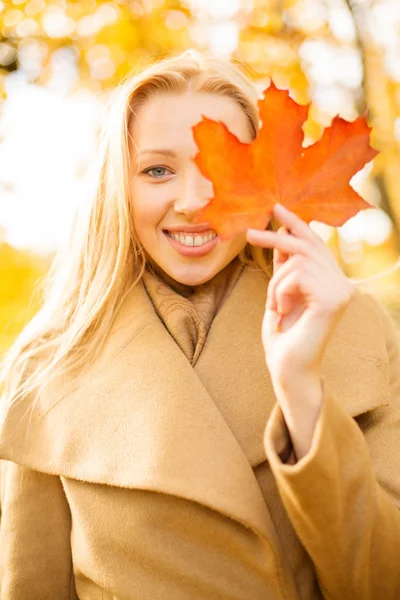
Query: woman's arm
[307, 296]
[35, 531]
[343, 496]
[341, 485]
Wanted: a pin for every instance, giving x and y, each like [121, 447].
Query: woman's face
[169, 190]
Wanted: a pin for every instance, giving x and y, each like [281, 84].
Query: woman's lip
[193, 251]
[190, 228]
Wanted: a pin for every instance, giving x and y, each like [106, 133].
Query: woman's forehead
[167, 118]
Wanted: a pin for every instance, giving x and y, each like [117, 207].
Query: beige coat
[155, 477]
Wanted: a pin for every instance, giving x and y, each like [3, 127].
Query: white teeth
[192, 239]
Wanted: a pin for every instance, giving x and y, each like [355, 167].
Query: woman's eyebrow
[158, 151]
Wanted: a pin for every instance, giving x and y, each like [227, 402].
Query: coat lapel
[139, 421]
[143, 417]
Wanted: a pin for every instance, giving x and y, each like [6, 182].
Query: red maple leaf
[249, 179]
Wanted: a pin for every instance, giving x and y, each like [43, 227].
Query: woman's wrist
[300, 398]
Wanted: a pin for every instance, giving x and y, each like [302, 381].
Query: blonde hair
[103, 259]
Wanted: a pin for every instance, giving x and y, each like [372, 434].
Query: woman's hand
[307, 295]
[308, 290]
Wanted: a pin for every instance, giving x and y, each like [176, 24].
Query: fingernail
[253, 232]
[280, 207]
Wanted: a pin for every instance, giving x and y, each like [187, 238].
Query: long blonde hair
[91, 275]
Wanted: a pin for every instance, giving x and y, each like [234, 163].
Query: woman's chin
[193, 279]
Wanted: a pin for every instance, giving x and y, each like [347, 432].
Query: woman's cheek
[147, 206]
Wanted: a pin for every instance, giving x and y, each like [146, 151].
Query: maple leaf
[249, 179]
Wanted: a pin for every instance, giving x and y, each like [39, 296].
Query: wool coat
[161, 471]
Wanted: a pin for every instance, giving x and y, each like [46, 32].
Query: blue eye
[156, 176]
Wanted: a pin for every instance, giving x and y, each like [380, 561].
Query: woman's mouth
[192, 244]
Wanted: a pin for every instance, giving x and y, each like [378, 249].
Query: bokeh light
[59, 59]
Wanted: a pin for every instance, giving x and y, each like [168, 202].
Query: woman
[161, 437]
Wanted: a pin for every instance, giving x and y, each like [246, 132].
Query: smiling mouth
[192, 239]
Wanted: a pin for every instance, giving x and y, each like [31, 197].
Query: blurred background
[59, 59]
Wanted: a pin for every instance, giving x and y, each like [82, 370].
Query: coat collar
[137, 420]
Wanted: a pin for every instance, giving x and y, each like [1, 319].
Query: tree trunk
[377, 95]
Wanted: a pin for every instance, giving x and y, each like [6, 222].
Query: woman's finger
[279, 257]
[296, 265]
[288, 244]
[295, 225]
[285, 243]
[291, 288]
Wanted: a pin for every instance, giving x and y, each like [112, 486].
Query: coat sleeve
[35, 530]
[343, 496]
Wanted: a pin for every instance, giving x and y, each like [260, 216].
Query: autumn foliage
[249, 179]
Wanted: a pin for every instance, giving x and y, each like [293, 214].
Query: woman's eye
[157, 172]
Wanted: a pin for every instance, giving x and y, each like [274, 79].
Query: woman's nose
[193, 195]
